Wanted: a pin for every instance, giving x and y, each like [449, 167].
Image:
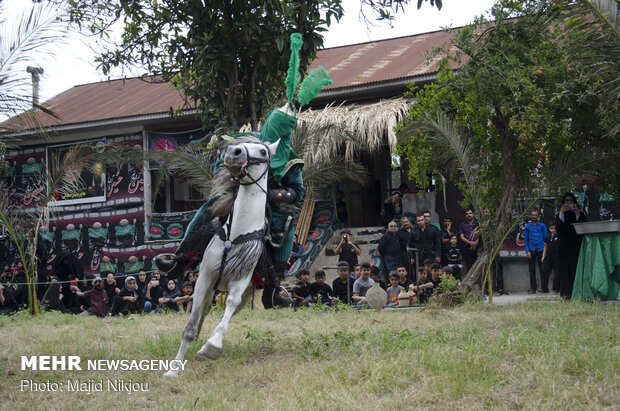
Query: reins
[244, 170]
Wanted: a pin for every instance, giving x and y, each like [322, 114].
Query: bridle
[249, 161]
[224, 235]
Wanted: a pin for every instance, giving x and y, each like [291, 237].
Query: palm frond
[190, 163]
[591, 34]
[23, 37]
[372, 126]
[454, 150]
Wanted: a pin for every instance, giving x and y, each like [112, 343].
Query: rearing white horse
[240, 242]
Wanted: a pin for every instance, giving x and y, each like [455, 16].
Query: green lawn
[532, 355]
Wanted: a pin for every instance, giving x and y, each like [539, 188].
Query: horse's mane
[224, 186]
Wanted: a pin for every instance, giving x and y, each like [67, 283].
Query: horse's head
[249, 159]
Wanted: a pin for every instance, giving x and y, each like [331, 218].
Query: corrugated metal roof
[381, 60]
[349, 66]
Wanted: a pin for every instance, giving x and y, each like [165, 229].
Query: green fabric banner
[101, 232]
[598, 269]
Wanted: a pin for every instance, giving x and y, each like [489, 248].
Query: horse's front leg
[201, 304]
[237, 293]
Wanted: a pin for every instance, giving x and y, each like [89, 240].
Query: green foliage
[227, 57]
[447, 284]
[518, 99]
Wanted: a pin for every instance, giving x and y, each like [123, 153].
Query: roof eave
[116, 122]
[364, 91]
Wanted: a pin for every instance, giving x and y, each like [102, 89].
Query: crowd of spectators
[113, 295]
[552, 246]
[410, 241]
[352, 284]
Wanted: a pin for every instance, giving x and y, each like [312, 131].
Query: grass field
[549, 355]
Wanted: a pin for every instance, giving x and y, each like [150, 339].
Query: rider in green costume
[285, 187]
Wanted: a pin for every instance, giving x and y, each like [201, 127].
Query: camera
[155, 282]
[346, 238]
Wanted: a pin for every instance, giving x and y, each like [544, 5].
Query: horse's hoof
[171, 374]
[210, 351]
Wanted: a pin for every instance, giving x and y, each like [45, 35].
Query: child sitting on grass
[301, 292]
[446, 272]
[435, 274]
[424, 288]
[184, 302]
[403, 281]
[361, 286]
[374, 274]
[321, 292]
[393, 290]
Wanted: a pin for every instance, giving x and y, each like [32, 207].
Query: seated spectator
[69, 297]
[96, 297]
[152, 294]
[374, 274]
[52, 299]
[20, 291]
[128, 300]
[7, 302]
[343, 285]
[191, 276]
[394, 289]
[435, 274]
[82, 303]
[362, 285]
[301, 292]
[403, 280]
[357, 272]
[424, 288]
[446, 272]
[184, 301]
[5, 275]
[141, 281]
[427, 266]
[321, 292]
[110, 289]
[170, 293]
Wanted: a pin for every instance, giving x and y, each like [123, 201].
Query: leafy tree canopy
[228, 57]
[521, 96]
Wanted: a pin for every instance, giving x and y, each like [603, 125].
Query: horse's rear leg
[238, 294]
[201, 304]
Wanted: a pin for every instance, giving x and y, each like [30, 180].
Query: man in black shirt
[427, 240]
[347, 250]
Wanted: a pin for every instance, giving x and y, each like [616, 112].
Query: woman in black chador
[570, 242]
